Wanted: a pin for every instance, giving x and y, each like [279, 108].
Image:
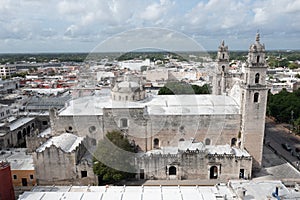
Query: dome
[128, 91]
[126, 87]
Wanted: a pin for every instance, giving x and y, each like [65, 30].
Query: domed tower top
[256, 55]
[223, 54]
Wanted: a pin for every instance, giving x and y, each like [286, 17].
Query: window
[45, 123]
[207, 141]
[233, 141]
[15, 177]
[223, 68]
[223, 55]
[83, 174]
[31, 176]
[156, 143]
[123, 123]
[172, 170]
[257, 78]
[92, 129]
[24, 132]
[256, 96]
[126, 98]
[19, 135]
[94, 142]
[257, 59]
[181, 139]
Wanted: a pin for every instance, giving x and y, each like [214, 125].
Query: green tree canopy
[284, 106]
[172, 88]
[114, 158]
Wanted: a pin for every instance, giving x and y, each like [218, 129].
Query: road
[275, 135]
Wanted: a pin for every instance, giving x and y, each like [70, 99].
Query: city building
[7, 71]
[21, 164]
[235, 190]
[6, 186]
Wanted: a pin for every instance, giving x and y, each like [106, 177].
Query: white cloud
[155, 11]
[96, 20]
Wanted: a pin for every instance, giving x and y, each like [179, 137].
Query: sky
[32, 26]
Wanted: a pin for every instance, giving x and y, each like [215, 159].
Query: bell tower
[221, 73]
[253, 102]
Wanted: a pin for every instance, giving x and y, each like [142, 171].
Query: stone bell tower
[253, 102]
[221, 72]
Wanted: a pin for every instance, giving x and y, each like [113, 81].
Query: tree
[144, 68]
[114, 158]
[172, 88]
[284, 106]
[293, 65]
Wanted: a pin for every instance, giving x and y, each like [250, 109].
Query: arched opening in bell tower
[257, 78]
[256, 96]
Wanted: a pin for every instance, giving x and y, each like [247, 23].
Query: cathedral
[217, 136]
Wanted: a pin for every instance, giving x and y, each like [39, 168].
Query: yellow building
[22, 168]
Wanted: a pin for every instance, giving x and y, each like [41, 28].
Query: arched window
[257, 78]
[172, 170]
[28, 130]
[256, 96]
[223, 68]
[156, 143]
[223, 55]
[257, 59]
[181, 140]
[93, 142]
[213, 172]
[233, 141]
[123, 123]
[19, 135]
[207, 141]
[92, 129]
[24, 132]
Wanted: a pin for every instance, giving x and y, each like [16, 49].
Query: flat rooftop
[233, 190]
[129, 193]
[18, 158]
[157, 105]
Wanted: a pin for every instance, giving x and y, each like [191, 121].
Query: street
[276, 135]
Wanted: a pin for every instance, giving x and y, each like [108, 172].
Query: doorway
[24, 181]
[213, 172]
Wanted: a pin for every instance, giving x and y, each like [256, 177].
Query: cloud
[208, 21]
[156, 11]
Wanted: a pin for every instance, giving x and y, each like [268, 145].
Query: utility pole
[292, 122]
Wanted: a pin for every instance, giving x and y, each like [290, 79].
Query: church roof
[157, 105]
[67, 142]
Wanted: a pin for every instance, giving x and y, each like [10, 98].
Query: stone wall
[168, 129]
[194, 165]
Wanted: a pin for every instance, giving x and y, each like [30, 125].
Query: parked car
[286, 146]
